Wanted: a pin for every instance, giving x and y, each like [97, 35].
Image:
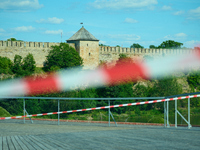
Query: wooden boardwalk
[44, 135]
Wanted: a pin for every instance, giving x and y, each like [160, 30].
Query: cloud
[53, 31]
[166, 7]
[24, 29]
[194, 13]
[177, 36]
[126, 37]
[191, 44]
[102, 42]
[180, 35]
[2, 30]
[20, 5]
[130, 20]
[124, 4]
[53, 20]
[179, 13]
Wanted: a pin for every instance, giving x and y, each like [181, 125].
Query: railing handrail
[70, 98]
[111, 98]
[185, 94]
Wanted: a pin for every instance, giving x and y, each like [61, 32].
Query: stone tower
[87, 46]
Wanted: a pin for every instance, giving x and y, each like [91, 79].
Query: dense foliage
[194, 79]
[25, 67]
[62, 56]
[5, 65]
[136, 45]
[19, 67]
[169, 44]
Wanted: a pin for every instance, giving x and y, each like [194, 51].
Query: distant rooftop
[82, 35]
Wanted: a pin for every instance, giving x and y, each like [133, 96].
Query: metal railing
[166, 105]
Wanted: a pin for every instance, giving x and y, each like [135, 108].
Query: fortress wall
[39, 50]
[92, 52]
[109, 54]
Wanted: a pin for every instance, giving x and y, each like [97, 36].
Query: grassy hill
[4, 113]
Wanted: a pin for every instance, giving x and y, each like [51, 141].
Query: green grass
[4, 113]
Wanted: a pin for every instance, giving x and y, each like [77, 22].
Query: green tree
[25, 67]
[170, 44]
[62, 56]
[17, 66]
[136, 45]
[12, 39]
[102, 45]
[28, 65]
[5, 65]
[152, 46]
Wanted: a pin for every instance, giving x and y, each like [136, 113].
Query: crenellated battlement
[27, 44]
[147, 51]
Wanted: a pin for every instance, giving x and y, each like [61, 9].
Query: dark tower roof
[82, 35]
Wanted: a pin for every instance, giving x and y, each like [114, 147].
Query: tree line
[169, 44]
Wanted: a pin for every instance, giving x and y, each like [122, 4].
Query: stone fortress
[86, 45]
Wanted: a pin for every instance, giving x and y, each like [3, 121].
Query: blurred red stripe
[42, 85]
[125, 72]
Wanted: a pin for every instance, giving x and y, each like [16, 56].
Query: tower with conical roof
[87, 46]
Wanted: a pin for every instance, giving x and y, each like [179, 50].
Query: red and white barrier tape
[104, 107]
[67, 80]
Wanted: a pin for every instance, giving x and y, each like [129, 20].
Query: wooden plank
[21, 143]
[5, 144]
[55, 140]
[42, 143]
[62, 140]
[34, 143]
[26, 142]
[10, 143]
[1, 143]
[15, 143]
[50, 142]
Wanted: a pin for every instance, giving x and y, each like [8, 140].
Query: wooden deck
[44, 135]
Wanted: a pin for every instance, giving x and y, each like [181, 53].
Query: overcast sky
[113, 22]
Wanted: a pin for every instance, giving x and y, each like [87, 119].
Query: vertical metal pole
[109, 113]
[175, 113]
[167, 113]
[189, 126]
[24, 109]
[58, 111]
